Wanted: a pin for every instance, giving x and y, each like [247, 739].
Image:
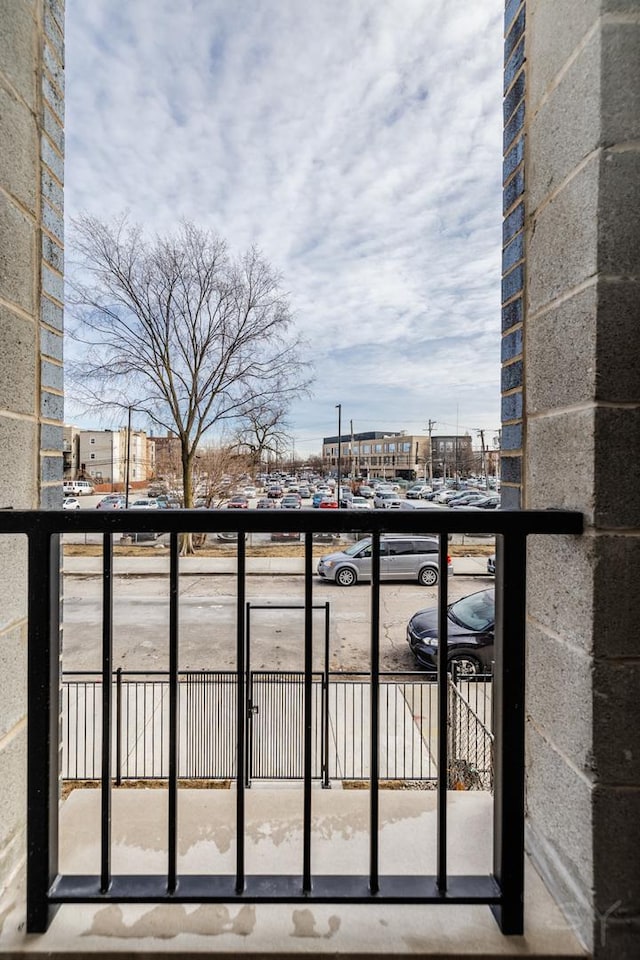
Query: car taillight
[448, 561]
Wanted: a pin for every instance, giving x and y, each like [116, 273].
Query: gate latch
[251, 709]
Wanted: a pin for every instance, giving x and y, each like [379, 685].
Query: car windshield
[475, 612]
[355, 548]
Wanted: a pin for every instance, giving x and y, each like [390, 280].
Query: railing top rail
[509, 522]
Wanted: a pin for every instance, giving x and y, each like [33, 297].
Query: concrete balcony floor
[274, 845]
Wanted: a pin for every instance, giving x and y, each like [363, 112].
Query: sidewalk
[217, 566]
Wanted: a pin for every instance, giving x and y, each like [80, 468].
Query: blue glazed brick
[52, 283]
[50, 469]
[514, 64]
[513, 128]
[511, 469]
[52, 406]
[511, 345]
[511, 438]
[52, 375]
[52, 253]
[55, 70]
[51, 437]
[513, 97]
[53, 98]
[512, 376]
[52, 159]
[513, 283]
[513, 252]
[510, 10]
[510, 498]
[54, 34]
[512, 224]
[53, 128]
[513, 159]
[513, 190]
[514, 35]
[51, 189]
[53, 221]
[57, 11]
[51, 497]
[51, 344]
[512, 314]
[512, 407]
[51, 313]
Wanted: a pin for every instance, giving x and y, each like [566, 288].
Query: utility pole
[126, 478]
[432, 424]
[339, 409]
[483, 468]
[351, 470]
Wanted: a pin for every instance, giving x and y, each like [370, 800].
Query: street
[207, 622]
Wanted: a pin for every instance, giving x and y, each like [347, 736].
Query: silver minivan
[401, 558]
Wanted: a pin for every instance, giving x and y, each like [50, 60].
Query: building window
[392, 448]
[92, 456]
[367, 448]
[406, 448]
[92, 440]
[378, 448]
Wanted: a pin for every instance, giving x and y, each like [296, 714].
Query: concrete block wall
[31, 404]
[574, 329]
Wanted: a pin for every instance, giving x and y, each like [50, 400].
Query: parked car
[305, 493]
[145, 503]
[366, 491]
[283, 535]
[386, 499]
[265, 504]
[360, 503]
[491, 565]
[465, 500]
[237, 502]
[275, 492]
[470, 634]
[71, 503]
[401, 558]
[317, 497]
[77, 488]
[328, 502]
[290, 501]
[417, 491]
[112, 501]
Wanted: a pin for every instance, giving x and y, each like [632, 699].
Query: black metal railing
[502, 889]
[207, 707]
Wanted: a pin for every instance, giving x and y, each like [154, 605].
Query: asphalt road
[207, 622]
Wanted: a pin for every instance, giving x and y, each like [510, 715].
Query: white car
[71, 503]
[144, 504]
[360, 503]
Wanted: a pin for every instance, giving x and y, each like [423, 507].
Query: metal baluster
[443, 711]
[172, 879]
[374, 812]
[107, 668]
[308, 693]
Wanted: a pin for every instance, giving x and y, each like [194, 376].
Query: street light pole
[126, 474]
[339, 409]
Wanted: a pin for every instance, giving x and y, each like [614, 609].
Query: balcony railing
[502, 890]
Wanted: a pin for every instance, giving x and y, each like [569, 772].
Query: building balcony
[256, 867]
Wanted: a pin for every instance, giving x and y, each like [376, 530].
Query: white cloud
[358, 143]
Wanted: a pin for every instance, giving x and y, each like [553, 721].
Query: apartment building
[376, 453]
[103, 455]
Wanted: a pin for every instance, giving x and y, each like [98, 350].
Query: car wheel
[428, 577]
[465, 665]
[345, 577]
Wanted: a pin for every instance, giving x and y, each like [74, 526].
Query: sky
[357, 143]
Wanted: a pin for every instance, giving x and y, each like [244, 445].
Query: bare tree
[264, 431]
[178, 329]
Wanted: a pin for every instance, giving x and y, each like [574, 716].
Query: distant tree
[263, 432]
[180, 330]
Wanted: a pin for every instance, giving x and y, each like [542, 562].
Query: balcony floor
[273, 845]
